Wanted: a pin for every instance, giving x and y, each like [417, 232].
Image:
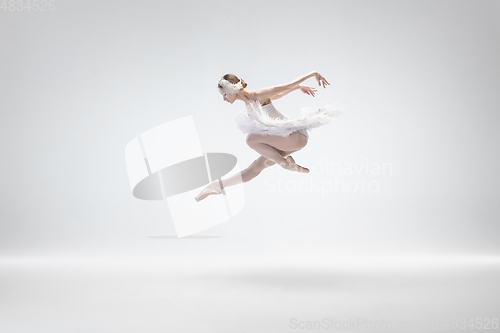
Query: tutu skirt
[268, 121]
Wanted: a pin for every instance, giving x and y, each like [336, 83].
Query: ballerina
[274, 136]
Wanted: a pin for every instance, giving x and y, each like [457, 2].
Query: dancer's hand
[321, 80]
[307, 90]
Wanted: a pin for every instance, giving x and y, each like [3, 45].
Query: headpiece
[231, 88]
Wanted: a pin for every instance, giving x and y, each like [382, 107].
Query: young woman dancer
[270, 133]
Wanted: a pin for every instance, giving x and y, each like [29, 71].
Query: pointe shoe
[208, 191]
[296, 167]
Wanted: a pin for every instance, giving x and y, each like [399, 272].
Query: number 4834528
[29, 5]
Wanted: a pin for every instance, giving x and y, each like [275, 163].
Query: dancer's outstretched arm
[275, 97]
[305, 89]
[268, 93]
[265, 93]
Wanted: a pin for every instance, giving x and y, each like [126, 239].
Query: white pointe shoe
[292, 166]
[210, 189]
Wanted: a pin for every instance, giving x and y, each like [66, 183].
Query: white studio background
[412, 235]
[419, 82]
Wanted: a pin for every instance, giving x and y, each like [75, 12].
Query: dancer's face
[230, 98]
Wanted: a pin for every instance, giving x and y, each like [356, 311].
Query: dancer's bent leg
[253, 170]
[268, 146]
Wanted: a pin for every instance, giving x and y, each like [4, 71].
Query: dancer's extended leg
[252, 171]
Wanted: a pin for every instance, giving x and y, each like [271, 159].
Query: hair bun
[232, 80]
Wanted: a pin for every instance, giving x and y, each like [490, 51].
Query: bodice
[270, 109]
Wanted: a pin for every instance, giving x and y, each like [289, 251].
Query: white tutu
[267, 120]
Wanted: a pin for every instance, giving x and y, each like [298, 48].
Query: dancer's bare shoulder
[256, 97]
